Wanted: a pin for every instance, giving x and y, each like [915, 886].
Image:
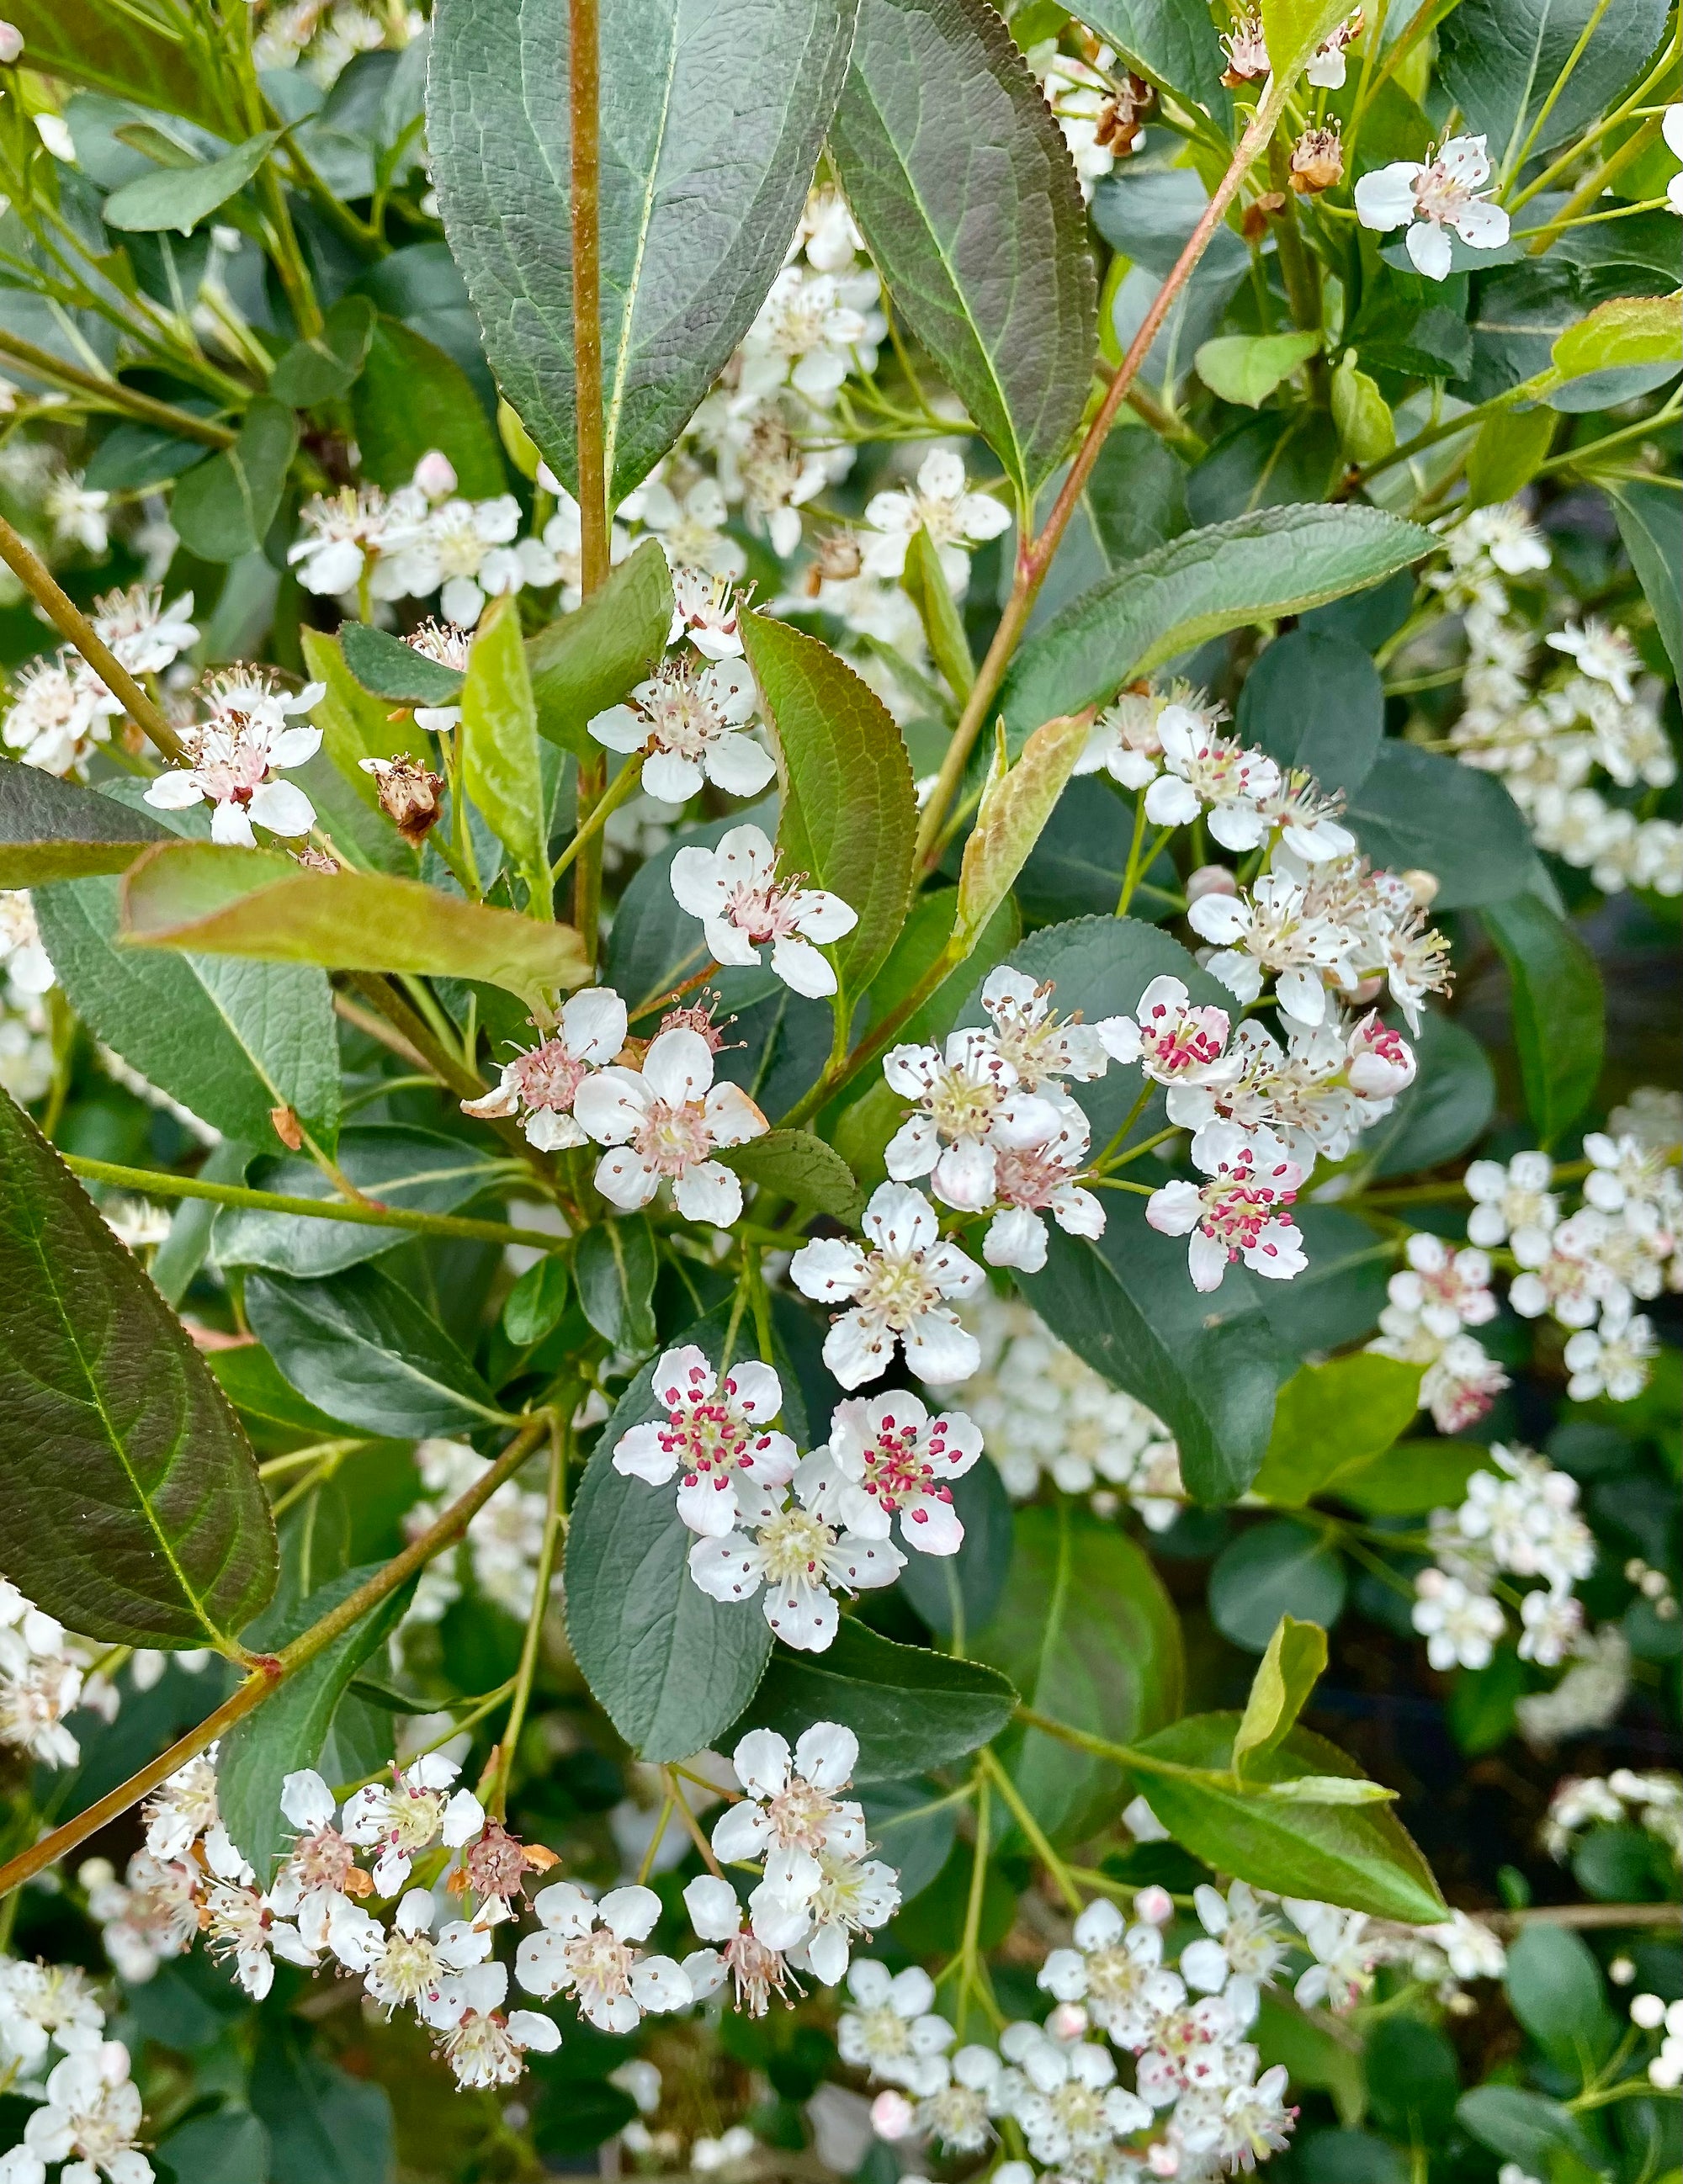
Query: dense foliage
[839, 864]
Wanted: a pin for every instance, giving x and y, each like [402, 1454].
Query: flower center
[1027, 1176]
[708, 1438]
[962, 1105]
[898, 1467]
[896, 1290]
[681, 717]
[323, 1860]
[800, 1813]
[409, 1966]
[600, 1964]
[1189, 1040]
[763, 912]
[671, 1138]
[795, 1545]
[549, 1076]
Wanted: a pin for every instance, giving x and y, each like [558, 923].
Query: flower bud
[1317, 161]
[1422, 885]
[1155, 1905]
[891, 2116]
[1211, 879]
[436, 474]
[11, 42]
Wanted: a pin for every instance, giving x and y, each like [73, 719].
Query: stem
[1590, 189]
[1517, 159]
[1583, 1916]
[876, 1038]
[1528, 390]
[968, 1950]
[112, 394]
[272, 1670]
[555, 1518]
[70, 622]
[369, 1215]
[1031, 1827]
[624, 783]
[696, 1832]
[1034, 561]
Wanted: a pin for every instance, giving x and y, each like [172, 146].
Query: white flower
[804, 336]
[942, 505]
[1461, 1627]
[1035, 1179]
[853, 1895]
[1344, 1955]
[897, 1291]
[706, 610]
[1040, 1044]
[59, 712]
[542, 1083]
[43, 2005]
[735, 891]
[1203, 769]
[1428, 199]
[957, 2113]
[1274, 928]
[1175, 1042]
[146, 635]
[1613, 1360]
[321, 1875]
[797, 1557]
[1513, 1200]
[792, 1806]
[1065, 2098]
[892, 2030]
[150, 1915]
[340, 537]
[484, 2047]
[77, 515]
[409, 1812]
[462, 550]
[92, 2111]
[689, 723]
[235, 755]
[1326, 67]
[587, 1950]
[1446, 1291]
[1550, 1625]
[1117, 1971]
[968, 1106]
[1602, 652]
[664, 1123]
[404, 1965]
[714, 1436]
[755, 1972]
[1245, 1949]
[1240, 1212]
[690, 528]
[889, 1458]
[24, 961]
[242, 1923]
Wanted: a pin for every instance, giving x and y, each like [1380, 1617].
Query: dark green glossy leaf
[1172, 43]
[499, 745]
[711, 126]
[970, 206]
[223, 509]
[325, 365]
[388, 667]
[134, 1509]
[1647, 523]
[1272, 1570]
[411, 398]
[251, 1381]
[364, 1351]
[133, 456]
[1499, 60]
[1357, 1856]
[1525, 2126]
[1088, 1637]
[1448, 1107]
[1418, 811]
[912, 1827]
[325, 2126]
[1554, 1984]
[615, 1268]
[1559, 1016]
[534, 1305]
[582, 663]
[1315, 700]
[910, 1709]
[57, 830]
[796, 1165]
[229, 2145]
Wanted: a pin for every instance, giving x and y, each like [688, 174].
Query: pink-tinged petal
[953, 1271]
[611, 1105]
[804, 1615]
[822, 917]
[758, 1392]
[727, 1569]
[594, 1024]
[678, 1067]
[709, 1191]
[1386, 199]
[900, 1219]
[1207, 1260]
[856, 1351]
[1428, 248]
[707, 1505]
[697, 884]
[1173, 1210]
[739, 764]
[1016, 1237]
[620, 728]
[673, 779]
[732, 1118]
[802, 969]
[626, 1179]
[829, 1269]
[642, 1454]
[931, 1525]
[939, 1349]
[913, 1149]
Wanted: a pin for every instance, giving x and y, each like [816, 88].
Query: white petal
[611, 1105]
[1429, 248]
[630, 1913]
[828, 1269]
[1016, 1237]
[901, 1220]
[802, 969]
[626, 1179]
[594, 1024]
[709, 1191]
[1386, 199]
[732, 1118]
[739, 764]
[938, 1349]
[305, 1799]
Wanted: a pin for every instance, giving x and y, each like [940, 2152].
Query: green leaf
[1328, 1790]
[1255, 568]
[913, 1827]
[325, 2126]
[711, 139]
[251, 1381]
[1448, 1107]
[1357, 1856]
[180, 197]
[957, 1594]
[1499, 60]
[1335, 1417]
[1647, 514]
[1510, 448]
[671, 1667]
[1296, 1658]
[288, 1733]
[849, 820]
[910, 1709]
[1412, 1478]
[534, 1305]
[1623, 335]
[970, 207]
[1294, 28]
[1246, 368]
[325, 366]
[1315, 700]
[411, 398]
[356, 726]
[364, 1351]
[226, 2146]
[57, 830]
[1017, 802]
[257, 903]
[232, 1041]
[1559, 1015]
[134, 1511]
[1418, 811]
[135, 52]
[1172, 43]
[1269, 1571]
[388, 667]
[615, 1268]
[924, 581]
[1554, 1987]
[499, 745]
[414, 1171]
[794, 1164]
[223, 509]
[1526, 2127]
[133, 456]
[583, 662]
[1366, 428]
[1088, 1637]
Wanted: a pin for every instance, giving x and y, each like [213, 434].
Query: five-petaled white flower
[1431, 198]
[92, 2110]
[1041, 1044]
[1032, 1180]
[968, 1106]
[1604, 653]
[691, 724]
[404, 1815]
[542, 1083]
[1202, 768]
[715, 1435]
[899, 1290]
[797, 1557]
[755, 1972]
[735, 891]
[887, 1457]
[663, 1122]
[586, 1948]
[1241, 1212]
[1175, 1044]
[707, 611]
[483, 2047]
[235, 755]
[892, 2030]
[942, 505]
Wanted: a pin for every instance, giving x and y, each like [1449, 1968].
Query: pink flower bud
[891, 2116]
[1155, 1905]
[1068, 2021]
[436, 474]
[1211, 879]
[11, 42]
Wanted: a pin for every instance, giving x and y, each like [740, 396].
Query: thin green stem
[1517, 159]
[555, 1522]
[111, 393]
[1061, 1876]
[624, 784]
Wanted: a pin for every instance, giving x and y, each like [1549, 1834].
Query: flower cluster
[41, 1681]
[89, 2112]
[60, 710]
[1519, 1520]
[502, 1542]
[248, 737]
[1652, 1802]
[1430, 199]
